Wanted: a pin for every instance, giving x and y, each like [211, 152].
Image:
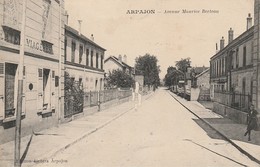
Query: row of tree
[146, 66]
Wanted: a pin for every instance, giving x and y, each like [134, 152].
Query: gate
[74, 98]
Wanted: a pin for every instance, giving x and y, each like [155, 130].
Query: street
[159, 133]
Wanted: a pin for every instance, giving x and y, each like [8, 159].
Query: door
[11, 85]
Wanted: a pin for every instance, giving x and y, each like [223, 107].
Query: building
[84, 60]
[114, 63]
[202, 80]
[232, 66]
[233, 72]
[42, 74]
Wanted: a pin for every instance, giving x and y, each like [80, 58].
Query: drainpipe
[59, 70]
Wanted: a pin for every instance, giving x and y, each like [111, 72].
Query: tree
[147, 66]
[172, 77]
[119, 79]
[183, 64]
[168, 79]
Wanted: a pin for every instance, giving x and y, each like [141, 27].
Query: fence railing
[93, 98]
[234, 100]
[76, 100]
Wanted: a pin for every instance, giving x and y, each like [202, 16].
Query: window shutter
[53, 93]
[2, 91]
[40, 90]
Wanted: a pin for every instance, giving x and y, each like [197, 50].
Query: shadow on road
[232, 130]
[214, 152]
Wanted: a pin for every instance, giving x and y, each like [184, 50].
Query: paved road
[160, 133]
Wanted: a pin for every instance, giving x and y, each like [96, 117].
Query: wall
[111, 65]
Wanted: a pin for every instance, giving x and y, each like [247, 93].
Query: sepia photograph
[121, 83]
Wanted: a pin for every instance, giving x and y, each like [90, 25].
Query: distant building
[114, 63]
[202, 80]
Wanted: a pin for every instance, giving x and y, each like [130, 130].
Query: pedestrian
[251, 121]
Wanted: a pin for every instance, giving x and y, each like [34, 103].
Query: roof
[199, 70]
[83, 37]
[244, 36]
[121, 63]
[205, 71]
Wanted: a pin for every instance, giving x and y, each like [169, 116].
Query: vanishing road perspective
[161, 132]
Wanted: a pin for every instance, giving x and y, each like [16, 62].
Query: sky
[168, 36]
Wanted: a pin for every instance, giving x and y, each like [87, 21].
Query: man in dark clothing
[252, 121]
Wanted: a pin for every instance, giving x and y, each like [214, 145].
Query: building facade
[114, 63]
[232, 66]
[234, 72]
[202, 80]
[84, 60]
[42, 74]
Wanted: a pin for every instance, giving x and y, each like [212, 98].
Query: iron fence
[234, 100]
[76, 99]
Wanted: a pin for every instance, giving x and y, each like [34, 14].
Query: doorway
[11, 86]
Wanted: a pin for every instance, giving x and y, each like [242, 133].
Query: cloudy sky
[170, 37]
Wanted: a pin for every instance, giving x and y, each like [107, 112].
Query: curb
[91, 132]
[221, 134]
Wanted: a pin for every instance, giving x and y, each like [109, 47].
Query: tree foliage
[183, 64]
[172, 77]
[119, 79]
[147, 66]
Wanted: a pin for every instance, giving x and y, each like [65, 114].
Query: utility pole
[17, 149]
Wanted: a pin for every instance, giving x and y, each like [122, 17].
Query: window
[53, 74]
[87, 57]
[65, 49]
[73, 49]
[96, 60]
[47, 47]
[39, 73]
[12, 35]
[91, 54]
[56, 81]
[101, 61]
[80, 53]
[244, 56]
[237, 58]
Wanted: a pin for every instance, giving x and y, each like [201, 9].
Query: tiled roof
[76, 33]
[119, 62]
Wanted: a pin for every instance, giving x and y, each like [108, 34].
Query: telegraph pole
[17, 149]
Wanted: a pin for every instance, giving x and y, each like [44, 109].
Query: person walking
[251, 121]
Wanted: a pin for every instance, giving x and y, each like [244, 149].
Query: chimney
[79, 26]
[92, 37]
[120, 58]
[125, 59]
[230, 35]
[222, 43]
[216, 47]
[66, 17]
[249, 21]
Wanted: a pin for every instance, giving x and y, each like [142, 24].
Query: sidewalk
[44, 144]
[228, 128]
